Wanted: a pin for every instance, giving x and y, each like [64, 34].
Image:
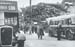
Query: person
[40, 33]
[67, 30]
[20, 38]
[59, 30]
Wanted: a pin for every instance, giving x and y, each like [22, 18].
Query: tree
[42, 11]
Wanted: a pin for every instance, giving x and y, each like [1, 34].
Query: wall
[1, 18]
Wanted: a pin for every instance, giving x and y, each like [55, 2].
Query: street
[56, 17]
[32, 41]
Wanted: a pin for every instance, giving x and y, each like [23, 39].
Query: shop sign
[11, 8]
[3, 7]
[8, 6]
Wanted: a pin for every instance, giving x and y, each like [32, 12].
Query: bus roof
[6, 26]
[62, 17]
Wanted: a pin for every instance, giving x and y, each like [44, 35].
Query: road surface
[32, 41]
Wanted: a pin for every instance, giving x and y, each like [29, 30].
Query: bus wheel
[69, 35]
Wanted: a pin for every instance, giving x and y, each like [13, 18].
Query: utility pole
[30, 9]
[30, 14]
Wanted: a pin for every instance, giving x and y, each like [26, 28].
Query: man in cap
[20, 38]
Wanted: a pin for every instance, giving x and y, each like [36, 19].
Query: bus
[67, 21]
[9, 16]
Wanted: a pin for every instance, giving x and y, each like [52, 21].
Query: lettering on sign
[11, 8]
[3, 7]
[8, 6]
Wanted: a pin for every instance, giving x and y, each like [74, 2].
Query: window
[15, 20]
[11, 21]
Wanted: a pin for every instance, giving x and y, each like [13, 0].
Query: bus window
[6, 21]
[55, 22]
[51, 22]
[11, 21]
[15, 20]
[12, 18]
[70, 21]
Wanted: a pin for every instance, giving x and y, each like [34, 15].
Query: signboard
[8, 6]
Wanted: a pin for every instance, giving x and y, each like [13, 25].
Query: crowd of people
[20, 35]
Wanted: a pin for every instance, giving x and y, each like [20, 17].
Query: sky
[24, 3]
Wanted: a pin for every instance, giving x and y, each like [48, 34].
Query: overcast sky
[24, 3]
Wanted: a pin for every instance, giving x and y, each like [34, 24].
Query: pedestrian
[59, 30]
[67, 30]
[20, 38]
[40, 33]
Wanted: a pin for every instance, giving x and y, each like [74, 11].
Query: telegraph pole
[30, 9]
[30, 14]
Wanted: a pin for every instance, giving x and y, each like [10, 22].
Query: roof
[6, 26]
[58, 18]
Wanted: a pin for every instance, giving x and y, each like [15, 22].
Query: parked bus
[8, 18]
[9, 14]
[68, 23]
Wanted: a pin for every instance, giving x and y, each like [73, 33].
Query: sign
[11, 8]
[3, 7]
[8, 6]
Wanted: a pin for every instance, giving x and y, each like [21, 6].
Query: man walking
[20, 39]
[40, 33]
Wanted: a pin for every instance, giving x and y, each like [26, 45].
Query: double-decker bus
[68, 23]
[9, 14]
[8, 17]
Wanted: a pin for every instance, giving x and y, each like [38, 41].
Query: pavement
[33, 41]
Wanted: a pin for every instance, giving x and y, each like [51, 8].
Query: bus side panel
[12, 20]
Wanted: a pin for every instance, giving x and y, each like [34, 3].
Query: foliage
[41, 11]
